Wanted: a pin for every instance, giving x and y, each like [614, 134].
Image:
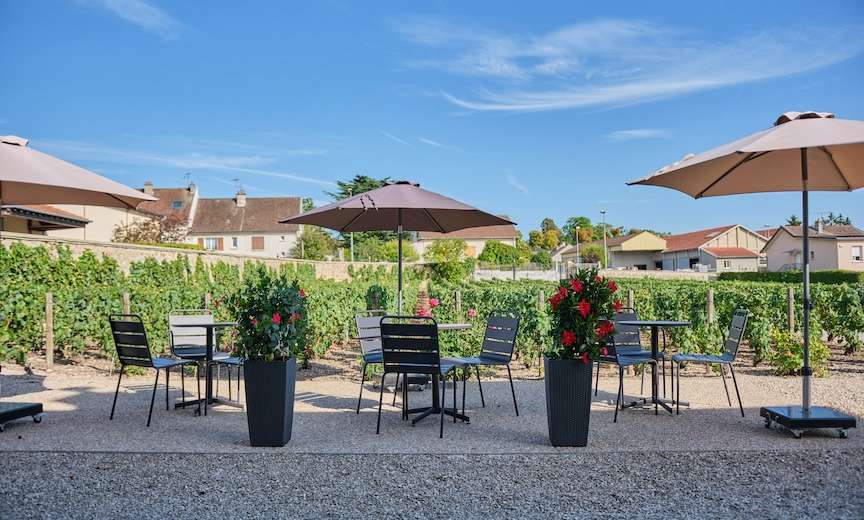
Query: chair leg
[119, 377]
[230, 397]
[153, 398]
[740, 404]
[198, 380]
[362, 380]
[480, 385]
[396, 387]
[725, 386]
[654, 389]
[218, 377]
[380, 401]
[404, 401]
[182, 382]
[620, 394]
[455, 409]
[443, 395]
[642, 384]
[663, 371]
[167, 385]
[513, 390]
[596, 379]
[239, 368]
[678, 392]
[464, 371]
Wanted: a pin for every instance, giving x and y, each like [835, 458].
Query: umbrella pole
[399, 234]
[805, 224]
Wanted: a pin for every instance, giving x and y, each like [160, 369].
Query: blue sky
[533, 110]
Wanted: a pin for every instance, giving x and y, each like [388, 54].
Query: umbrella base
[794, 419]
[12, 411]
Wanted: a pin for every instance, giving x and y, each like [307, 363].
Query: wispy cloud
[393, 138]
[612, 62]
[513, 181]
[430, 142]
[142, 14]
[637, 133]
[193, 161]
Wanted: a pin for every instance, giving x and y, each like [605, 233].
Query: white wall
[103, 221]
[276, 245]
[824, 252]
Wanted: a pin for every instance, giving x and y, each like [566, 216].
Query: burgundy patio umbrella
[803, 151]
[398, 206]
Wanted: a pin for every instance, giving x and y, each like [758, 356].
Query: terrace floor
[708, 460]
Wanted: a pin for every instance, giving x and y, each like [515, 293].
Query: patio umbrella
[399, 206]
[803, 151]
[28, 176]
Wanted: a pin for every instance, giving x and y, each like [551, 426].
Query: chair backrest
[369, 331]
[736, 332]
[626, 337]
[499, 340]
[188, 336]
[409, 344]
[130, 340]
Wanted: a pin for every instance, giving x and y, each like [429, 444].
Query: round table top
[206, 325]
[454, 326]
[655, 323]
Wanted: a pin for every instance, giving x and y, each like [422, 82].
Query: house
[725, 248]
[246, 225]
[637, 251]
[831, 247]
[173, 204]
[475, 238]
[37, 219]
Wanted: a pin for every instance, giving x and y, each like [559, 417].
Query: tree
[542, 259]
[314, 244]
[307, 204]
[793, 221]
[548, 224]
[447, 260]
[836, 220]
[584, 226]
[499, 253]
[151, 230]
[592, 254]
[547, 240]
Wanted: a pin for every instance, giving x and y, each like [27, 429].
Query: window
[812, 255]
[856, 253]
[210, 243]
[234, 242]
[727, 264]
[257, 243]
[176, 204]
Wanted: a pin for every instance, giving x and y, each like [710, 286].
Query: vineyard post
[49, 329]
[457, 298]
[127, 305]
[710, 305]
[541, 299]
[631, 301]
[207, 298]
[790, 308]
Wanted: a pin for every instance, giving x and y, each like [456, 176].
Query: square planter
[568, 401]
[270, 400]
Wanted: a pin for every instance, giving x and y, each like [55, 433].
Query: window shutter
[257, 243]
[200, 242]
[220, 244]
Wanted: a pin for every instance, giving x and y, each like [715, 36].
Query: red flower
[617, 305]
[605, 328]
[604, 351]
[584, 308]
[433, 302]
[562, 292]
[277, 318]
[585, 358]
[424, 312]
[555, 301]
[254, 321]
[568, 338]
[472, 313]
[612, 285]
[302, 293]
[598, 279]
[576, 285]
[295, 317]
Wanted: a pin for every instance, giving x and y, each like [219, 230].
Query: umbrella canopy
[803, 151]
[380, 210]
[28, 176]
[770, 160]
[398, 206]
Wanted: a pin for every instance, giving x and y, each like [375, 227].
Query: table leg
[208, 384]
[655, 343]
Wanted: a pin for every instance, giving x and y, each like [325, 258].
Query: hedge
[835, 276]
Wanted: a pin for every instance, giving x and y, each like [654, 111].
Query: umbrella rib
[753, 155]
[834, 163]
[345, 227]
[440, 227]
[129, 206]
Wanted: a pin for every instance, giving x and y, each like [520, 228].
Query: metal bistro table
[655, 354]
[210, 329]
[436, 397]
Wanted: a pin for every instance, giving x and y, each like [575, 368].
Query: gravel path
[813, 484]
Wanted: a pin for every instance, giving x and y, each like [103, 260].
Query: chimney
[148, 188]
[241, 199]
[820, 226]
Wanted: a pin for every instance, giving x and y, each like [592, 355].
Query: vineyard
[87, 289]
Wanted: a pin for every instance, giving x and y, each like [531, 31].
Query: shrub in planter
[271, 314]
[787, 354]
[582, 310]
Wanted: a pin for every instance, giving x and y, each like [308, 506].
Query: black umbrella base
[794, 419]
[12, 411]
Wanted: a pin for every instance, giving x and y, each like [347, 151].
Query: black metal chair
[409, 345]
[499, 342]
[628, 342]
[623, 360]
[369, 336]
[130, 340]
[730, 351]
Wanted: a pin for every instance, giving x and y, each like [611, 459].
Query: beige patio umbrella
[28, 176]
[803, 151]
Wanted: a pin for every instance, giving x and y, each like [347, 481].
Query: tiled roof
[730, 252]
[164, 207]
[51, 211]
[829, 232]
[260, 215]
[504, 232]
[694, 239]
[768, 232]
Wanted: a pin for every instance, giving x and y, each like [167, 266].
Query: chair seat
[702, 358]
[445, 369]
[190, 352]
[474, 360]
[161, 362]
[640, 353]
[373, 357]
[629, 361]
[228, 360]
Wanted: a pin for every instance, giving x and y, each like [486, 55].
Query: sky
[531, 110]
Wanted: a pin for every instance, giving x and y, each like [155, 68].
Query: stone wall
[125, 254]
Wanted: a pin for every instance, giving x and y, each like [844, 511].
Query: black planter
[568, 401]
[270, 401]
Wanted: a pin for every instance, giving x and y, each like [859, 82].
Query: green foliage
[272, 317]
[376, 297]
[787, 356]
[592, 254]
[582, 310]
[793, 220]
[389, 252]
[314, 244]
[542, 259]
[361, 184]
[447, 262]
[828, 276]
[499, 253]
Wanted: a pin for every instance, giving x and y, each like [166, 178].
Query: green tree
[793, 220]
[307, 204]
[542, 259]
[447, 260]
[314, 244]
[583, 224]
[592, 254]
[836, 220]
[548, 224]
[499, 253]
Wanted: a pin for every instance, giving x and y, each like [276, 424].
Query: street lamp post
[605, 248]
[578, 256]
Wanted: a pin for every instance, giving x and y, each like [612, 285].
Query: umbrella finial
[14, 140]
[791, 116]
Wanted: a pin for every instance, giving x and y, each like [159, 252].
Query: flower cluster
[582, 310]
